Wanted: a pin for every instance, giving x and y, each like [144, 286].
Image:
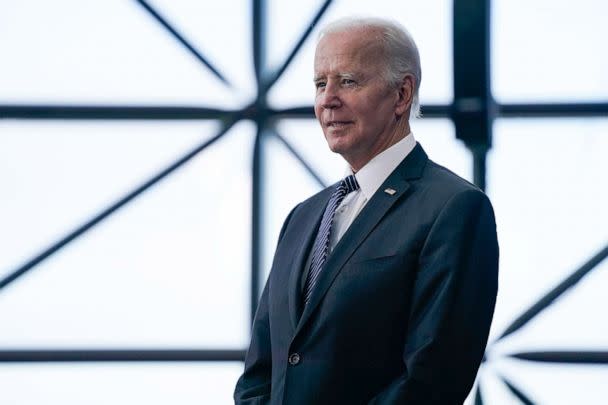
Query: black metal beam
[553, 110]
[57, 356]
[478, 399]
[565, 357]
[101, 112]
[104, 112]
[258, 38]
[257, 219]
[516, 391]
[473, 110]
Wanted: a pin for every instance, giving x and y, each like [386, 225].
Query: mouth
[337, 124]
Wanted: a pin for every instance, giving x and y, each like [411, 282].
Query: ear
[405, 93]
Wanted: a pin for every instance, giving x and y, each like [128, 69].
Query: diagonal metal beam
[564, 357]
[115, 112]
[555, 293]
[516, 391]
[180, 38]
[80, 230]
[58, 356]
[299, 157]
[478, 397]
[279, 72]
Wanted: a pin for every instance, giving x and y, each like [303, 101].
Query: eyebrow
[342, 75]
[347, 75]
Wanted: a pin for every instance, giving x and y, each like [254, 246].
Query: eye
[348, 82]
[319, 84]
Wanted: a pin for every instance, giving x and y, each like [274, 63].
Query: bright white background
[171, 269]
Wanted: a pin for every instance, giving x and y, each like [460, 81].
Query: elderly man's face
[355, 107]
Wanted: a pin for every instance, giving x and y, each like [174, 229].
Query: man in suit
[383, 286]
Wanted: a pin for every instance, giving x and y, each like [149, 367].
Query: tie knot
[350, 184]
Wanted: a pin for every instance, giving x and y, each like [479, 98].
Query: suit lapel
[366, 221]
[311, 220]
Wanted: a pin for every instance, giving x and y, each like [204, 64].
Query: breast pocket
[370, 253]
[375, 282]
[384, 267]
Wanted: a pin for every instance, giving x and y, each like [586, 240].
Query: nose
[330, 98]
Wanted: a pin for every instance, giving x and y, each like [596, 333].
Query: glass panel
[221, 30]
[287, 184]
[437, 137]
[574, 315]
[307, 138]
[118, 383]
[573, 322]
[154, 273]
[56, 175]
[545, 179]
[434, 42]
[112, 52]
[549, 50]
[552, 384]
[287, 22]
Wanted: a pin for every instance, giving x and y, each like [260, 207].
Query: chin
[337, 144]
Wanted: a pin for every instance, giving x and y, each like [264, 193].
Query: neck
[401, 130]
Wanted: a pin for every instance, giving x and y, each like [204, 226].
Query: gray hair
[400, 49]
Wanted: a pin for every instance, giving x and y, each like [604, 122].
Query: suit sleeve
[253, 387]
[452, 306]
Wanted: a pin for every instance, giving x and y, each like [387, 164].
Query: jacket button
[294, 358]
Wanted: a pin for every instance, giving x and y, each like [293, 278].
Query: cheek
[317, 109]
[377, 113]
[365, 118]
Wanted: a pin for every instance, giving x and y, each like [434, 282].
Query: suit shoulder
[443, 184]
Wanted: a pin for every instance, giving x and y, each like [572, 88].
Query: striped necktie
[321, 245]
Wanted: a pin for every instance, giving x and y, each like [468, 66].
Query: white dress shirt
[370, 177]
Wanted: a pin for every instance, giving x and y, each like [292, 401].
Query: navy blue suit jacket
[400, 313]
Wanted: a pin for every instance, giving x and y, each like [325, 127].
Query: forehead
[348, 50]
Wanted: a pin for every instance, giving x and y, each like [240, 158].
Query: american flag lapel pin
[389, 191]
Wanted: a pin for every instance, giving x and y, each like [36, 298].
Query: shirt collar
[371, 176]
